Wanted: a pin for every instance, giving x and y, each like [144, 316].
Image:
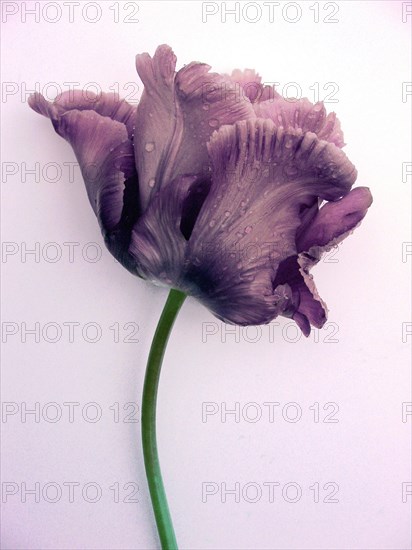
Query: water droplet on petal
[152, 182]
[213, 123]
[149, 147]
[227, 213]
[291, 170]
[248, 229]
[212, 223]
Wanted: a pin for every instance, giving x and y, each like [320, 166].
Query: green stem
[151, 383]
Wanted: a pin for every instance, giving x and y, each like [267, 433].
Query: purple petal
[304, 115]
[157, 242]
[105, 104]
[331, 224]
[335, 220]
[251, 84]
[103, 149]
[263, 179]
[176, 116]
[308, 307]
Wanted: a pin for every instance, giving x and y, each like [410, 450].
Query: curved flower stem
[151, 459]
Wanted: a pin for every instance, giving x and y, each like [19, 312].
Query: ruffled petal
[176, 116]
[105, 104]
[307, 306]
[304, 115]
[104, 150]
[252, 87]
[264, 179]
[331, 224]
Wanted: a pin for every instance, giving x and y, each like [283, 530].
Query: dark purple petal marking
[176, 116]
[157, 240]
[192, 205]
[309, 309]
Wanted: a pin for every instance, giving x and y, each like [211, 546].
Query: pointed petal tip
[39, 104]
[162, 64]
[303, 323]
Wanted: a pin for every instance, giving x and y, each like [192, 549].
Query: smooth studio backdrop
[267, 440]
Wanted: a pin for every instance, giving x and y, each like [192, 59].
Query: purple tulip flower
[213, 185]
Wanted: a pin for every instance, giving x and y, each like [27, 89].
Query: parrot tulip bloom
[214, 186]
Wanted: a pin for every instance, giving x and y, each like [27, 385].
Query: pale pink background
[366, 372]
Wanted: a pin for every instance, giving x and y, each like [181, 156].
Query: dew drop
[212, 223]
[213, 123]
[206, 106]
[149, 147]
[227, 213]
[248, 229]
[291, 170]
[152, 182]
